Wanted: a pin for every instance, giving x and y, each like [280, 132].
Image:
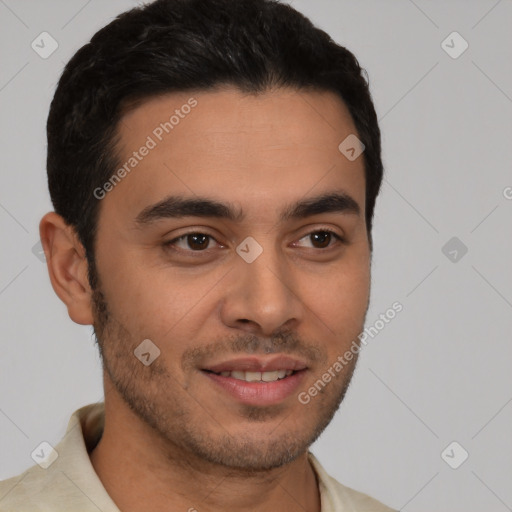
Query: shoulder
[56, 489]
[65, 479]
[337, 497]
[25, 490]
[361, 502]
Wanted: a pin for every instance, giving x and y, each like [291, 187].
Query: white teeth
[257, 376]
[269, 376]
[252, 376]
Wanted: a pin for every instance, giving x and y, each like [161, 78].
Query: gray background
[440, 371]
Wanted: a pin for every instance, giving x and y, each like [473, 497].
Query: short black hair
[183, 45]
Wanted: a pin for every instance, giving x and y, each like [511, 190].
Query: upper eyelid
[206, 231]
[340, 237]
[197, 232]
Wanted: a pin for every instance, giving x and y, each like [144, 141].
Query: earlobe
[67, 267]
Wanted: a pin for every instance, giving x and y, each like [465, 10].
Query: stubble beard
[184, 426]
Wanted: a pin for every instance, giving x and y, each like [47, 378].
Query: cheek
[341, 299]
[158, 301]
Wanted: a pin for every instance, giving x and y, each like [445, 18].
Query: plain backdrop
[440, 371]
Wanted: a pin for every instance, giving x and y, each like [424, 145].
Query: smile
[256, 376]
[256, 387]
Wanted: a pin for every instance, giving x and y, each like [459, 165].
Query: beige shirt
[70, 484]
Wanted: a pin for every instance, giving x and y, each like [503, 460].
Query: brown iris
[198, 241]
[323, 238]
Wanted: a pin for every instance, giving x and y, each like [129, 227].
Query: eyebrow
[178, 206]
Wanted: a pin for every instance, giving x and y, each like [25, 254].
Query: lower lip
[259, 393]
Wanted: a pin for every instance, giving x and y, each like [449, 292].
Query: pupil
[323, 237]
[198, 241]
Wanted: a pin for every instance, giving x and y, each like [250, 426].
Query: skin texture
[190, 443]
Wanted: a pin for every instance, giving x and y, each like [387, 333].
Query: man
[214, 166]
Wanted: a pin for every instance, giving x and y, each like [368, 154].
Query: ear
[67, 267]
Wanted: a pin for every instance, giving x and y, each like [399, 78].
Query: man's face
[191, 281]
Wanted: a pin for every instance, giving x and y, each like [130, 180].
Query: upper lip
[258, 364]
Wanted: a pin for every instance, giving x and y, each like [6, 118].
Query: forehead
[274, 146]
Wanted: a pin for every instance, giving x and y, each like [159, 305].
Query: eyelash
[170, 243]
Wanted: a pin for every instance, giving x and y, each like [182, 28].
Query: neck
[156, 475]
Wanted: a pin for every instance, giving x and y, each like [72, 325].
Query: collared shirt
[65, 480]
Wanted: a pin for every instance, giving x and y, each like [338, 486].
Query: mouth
[259, 367]
[262, 377]
[257, 381]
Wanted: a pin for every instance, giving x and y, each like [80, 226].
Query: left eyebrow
[339, 202]
[177, 207]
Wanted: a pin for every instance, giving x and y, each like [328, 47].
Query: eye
[322, 239]
[195, 242]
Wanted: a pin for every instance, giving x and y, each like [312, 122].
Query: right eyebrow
[177, 206]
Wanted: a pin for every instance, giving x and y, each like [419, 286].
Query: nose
[262, 297]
